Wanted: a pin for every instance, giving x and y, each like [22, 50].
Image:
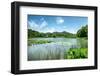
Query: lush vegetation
[83, 32]
[30, 41]
[76, 53]
[33, 34]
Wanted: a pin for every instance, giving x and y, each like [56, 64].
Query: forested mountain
[82, 32]
[33, 34]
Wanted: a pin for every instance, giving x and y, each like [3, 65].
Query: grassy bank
[30, 42]
[76, 53]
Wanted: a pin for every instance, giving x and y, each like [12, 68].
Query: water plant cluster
[30, 42]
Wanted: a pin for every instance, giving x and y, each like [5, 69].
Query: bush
[76, 53]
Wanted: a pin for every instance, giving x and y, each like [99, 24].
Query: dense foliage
[83, 32]
[33, 34]
[76, 53]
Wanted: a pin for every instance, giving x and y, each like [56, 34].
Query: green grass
[30, 42]
[76, 53]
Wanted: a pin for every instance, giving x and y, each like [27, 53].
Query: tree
[83, 32]
[33, 34]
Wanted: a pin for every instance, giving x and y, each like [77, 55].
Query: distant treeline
[32, 34]
[80, 33]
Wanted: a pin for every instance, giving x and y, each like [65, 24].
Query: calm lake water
[55, 49]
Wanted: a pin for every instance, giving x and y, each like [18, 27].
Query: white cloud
[43, 24]
[41, 27]
[38, 27]
[59, 20]
[32, 25]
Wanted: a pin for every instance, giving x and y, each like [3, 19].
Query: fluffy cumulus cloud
[59, 20]
[43, 26]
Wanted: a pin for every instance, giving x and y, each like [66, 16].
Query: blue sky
[44, 23]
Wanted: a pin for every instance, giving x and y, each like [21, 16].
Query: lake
[54, 50]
